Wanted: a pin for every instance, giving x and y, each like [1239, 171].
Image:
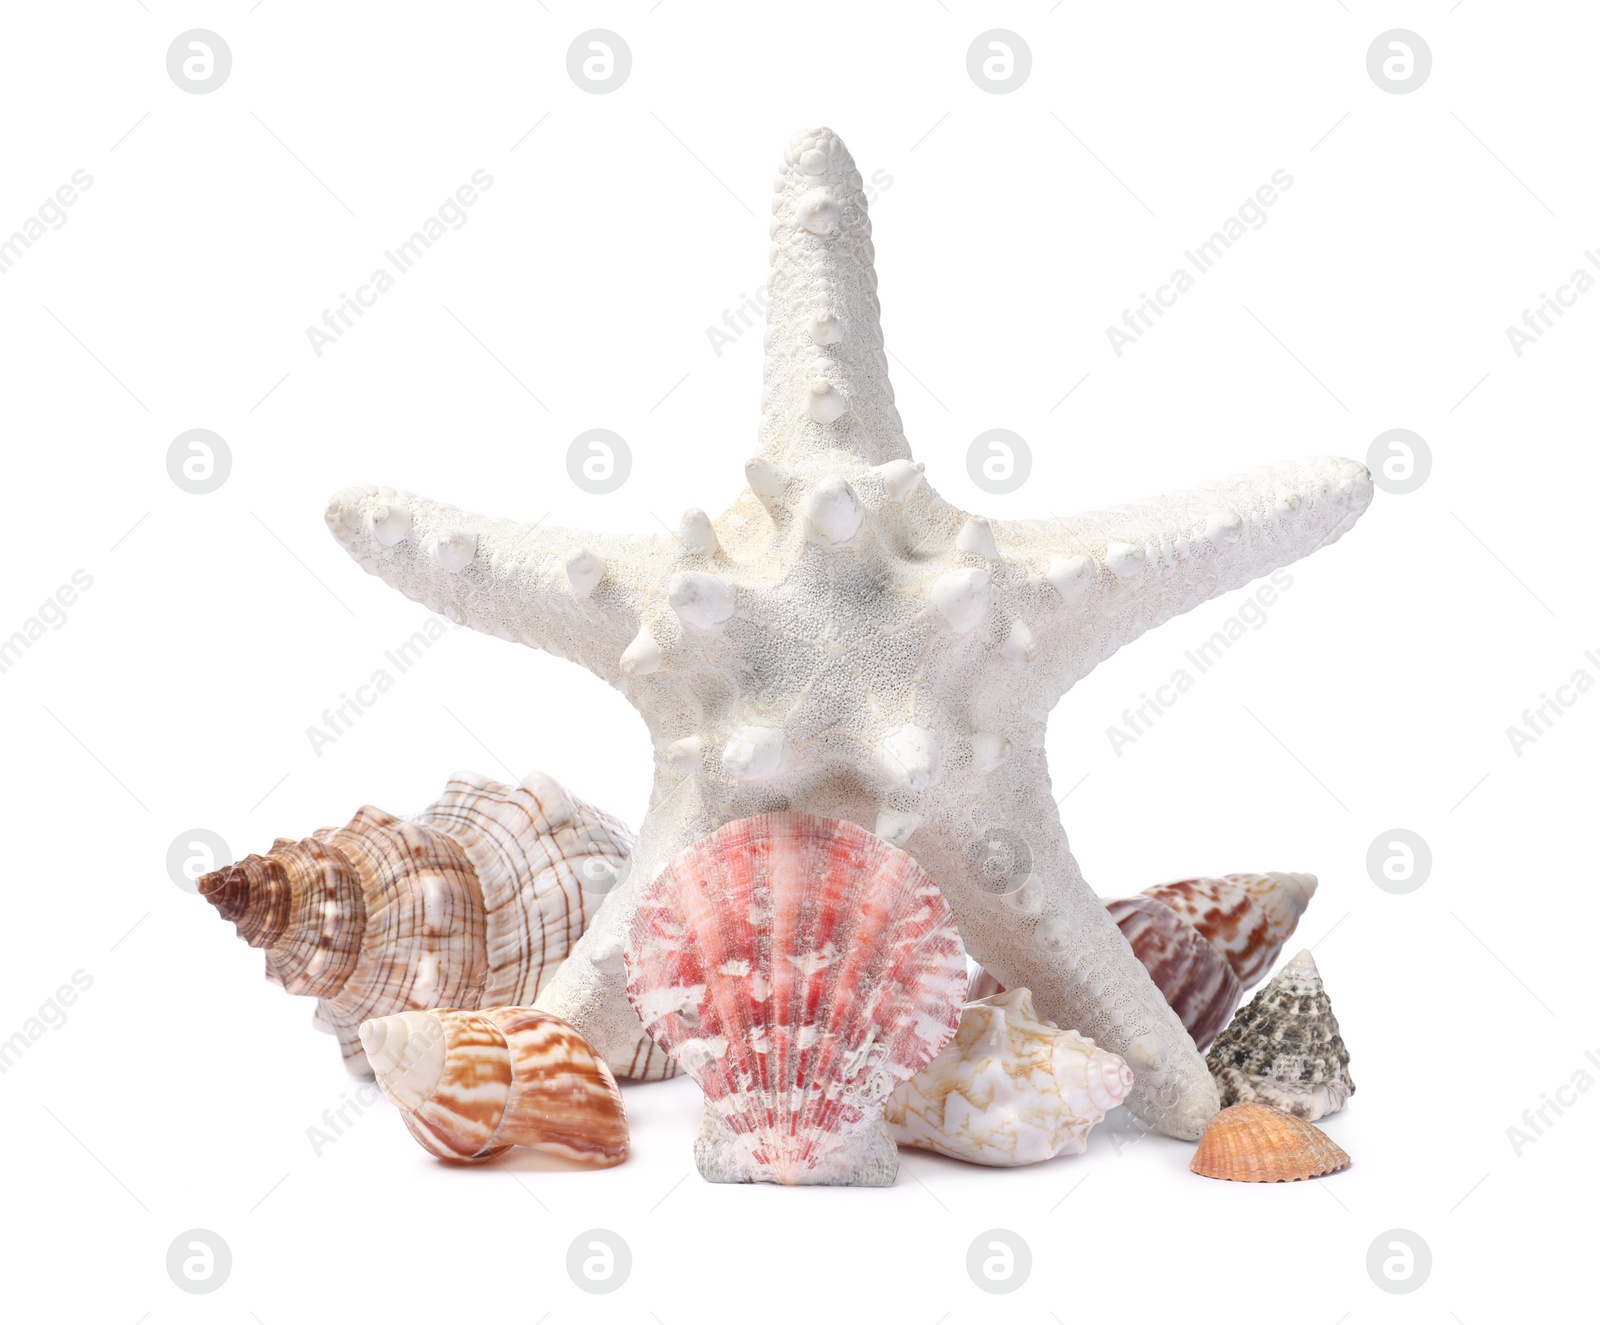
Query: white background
[1016, 228]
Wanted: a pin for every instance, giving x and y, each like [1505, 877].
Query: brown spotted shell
[473, 902]
[1254, 1143]
[471, 1084]
[1246, 917]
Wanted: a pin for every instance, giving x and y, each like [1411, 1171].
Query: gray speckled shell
[1283, 1048]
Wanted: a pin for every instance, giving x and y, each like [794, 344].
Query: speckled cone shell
[473, 902]
[1284, 1047]
[1253, 1143]
[1009, 1089]
[799, 968]
[472, 1084]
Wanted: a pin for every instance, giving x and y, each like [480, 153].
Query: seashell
[799, 968]
[1284, 1048]
[1246, 917]
[1204, 941]
[1195, 977]
[1009, 1089]
[472, 1084]
[473, 902]
[1252, 1143]
[981, 984]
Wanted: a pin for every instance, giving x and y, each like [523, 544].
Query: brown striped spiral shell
[471, 1084]
[473, 902]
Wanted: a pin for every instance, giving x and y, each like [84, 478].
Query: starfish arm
[590, 989]
[1105, 578]
[1052, 935]
[577, 595]
[826, 383]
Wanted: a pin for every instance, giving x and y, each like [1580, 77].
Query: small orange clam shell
[1254, 1143]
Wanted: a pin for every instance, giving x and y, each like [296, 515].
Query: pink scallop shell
[799, 968]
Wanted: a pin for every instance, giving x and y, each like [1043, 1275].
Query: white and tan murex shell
[1009, 1089]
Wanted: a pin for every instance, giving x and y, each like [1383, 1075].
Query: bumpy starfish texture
[845, 642]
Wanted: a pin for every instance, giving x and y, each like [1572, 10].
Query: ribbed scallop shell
[1252, 1143]
[1009, 1089]
[799, 968]
[1246, 917]
[472, 1084]
[473, 902]
[1284, 1048]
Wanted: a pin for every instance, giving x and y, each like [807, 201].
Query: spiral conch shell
[1246, 917]
[473, 902]
[1254, 1143]
[1205, 941]
[1009, 1089]
[1284, 1048]
[799, 968]
[470, 1085]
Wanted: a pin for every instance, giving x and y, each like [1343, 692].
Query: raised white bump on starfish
[844, 641]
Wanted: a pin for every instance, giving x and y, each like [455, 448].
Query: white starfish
[844, 641]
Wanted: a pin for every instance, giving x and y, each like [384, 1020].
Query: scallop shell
[472, 1084]
[1246, 917]
[1009, 1089]
[473, 902]
[1284, 1047]
[799, 968]
[1252, 1143]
